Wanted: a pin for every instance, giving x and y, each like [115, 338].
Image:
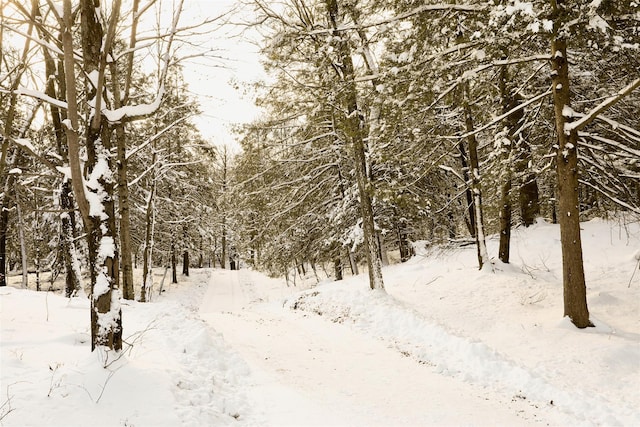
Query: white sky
[211, 81]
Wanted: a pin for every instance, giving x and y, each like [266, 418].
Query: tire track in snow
[208, 383]
[306, 371]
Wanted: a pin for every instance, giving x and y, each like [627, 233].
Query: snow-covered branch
[41, 96]
[613, 198]
[25, 144]
[156, 136]
[604, 105]
[134, 112]
[611, 143]
[505, 115]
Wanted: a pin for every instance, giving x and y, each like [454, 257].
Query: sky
[221, 84]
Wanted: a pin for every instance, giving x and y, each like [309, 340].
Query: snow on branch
[41, 96]
[452, 171]
[25, 144]
[611, 143]
[614, 199]
[507, 114]
[156, 136]
[134, 111]
[604, 105]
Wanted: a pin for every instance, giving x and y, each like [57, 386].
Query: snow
[525, 8]
[25, 142]
[597, 23]
[445, 345]
[93, 78]
[96, 197]
[40, 95]
[129, 111]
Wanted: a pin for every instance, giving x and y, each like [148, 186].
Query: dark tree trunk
[471, 222]
[101, 232]
[185, 251]
[4, 225]
[185, 262]
[337, 268]
[505, 221]
[406, 251]
[147, 254]
[125, 222]
[483, 255]
[529, 199]
[575, 291]
[174, 263]
[512, 122]
[73, 284]
[223, 242]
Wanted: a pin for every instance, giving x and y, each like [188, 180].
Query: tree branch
[604, 105]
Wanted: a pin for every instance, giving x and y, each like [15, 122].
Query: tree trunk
[23, 246]
[505, 216]
[72, 274]
[68, 249]
[185, 262]
[575, 291]
[128, 291]
[147, 257]
[483, 255]
[4, 226]
[7, 201]
[471, 222]
[37, 262]
[337, 268]
[353, 264]
[223, 259]
[106, 318]
[174, 262]
[120, 99]
[529, 199]
[353, 130]
[406, 251]
[506, 141]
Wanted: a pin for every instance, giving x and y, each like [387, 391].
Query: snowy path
[308, 371]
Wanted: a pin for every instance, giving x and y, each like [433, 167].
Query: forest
[434, 218]
[382, 123]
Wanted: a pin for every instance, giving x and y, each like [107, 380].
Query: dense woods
[384, 123]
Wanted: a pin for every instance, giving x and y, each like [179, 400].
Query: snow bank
[505, 330]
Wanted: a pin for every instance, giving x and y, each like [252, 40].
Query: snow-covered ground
[446, 345]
